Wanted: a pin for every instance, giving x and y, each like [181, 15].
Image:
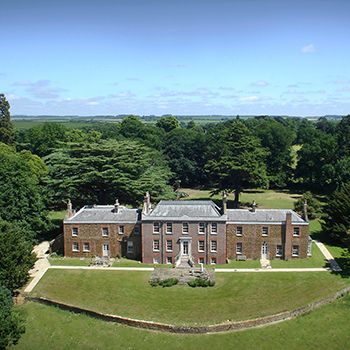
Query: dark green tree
[6, 126]
[102, 172]
[167, 123]
[11, 321]
[337, 221]
[313, 205]
[343, 137]
[236, 159]
[16, 256]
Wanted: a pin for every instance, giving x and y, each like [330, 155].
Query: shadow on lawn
[344, 263]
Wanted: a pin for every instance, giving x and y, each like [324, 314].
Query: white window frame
[239, 248]
[213, 260]
[201, 260]
[200, 242]
[105, 232]
[121, 229]
[169, 245]
[169, 260]
[185, 228]
[296, 231]
[156, 245]
[201, 228]
[239, 231]
[86, 244]
[214, 228]
[295, 250]
[75, 247]
[156, 260]
[169, 227]
[265, 230]
[279, 252]
[214, 246]
[75, 231]
[130, 247]
[156, 227]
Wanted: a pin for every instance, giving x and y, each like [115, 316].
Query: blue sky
[183, 57]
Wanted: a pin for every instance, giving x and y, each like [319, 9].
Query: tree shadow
[344, 263]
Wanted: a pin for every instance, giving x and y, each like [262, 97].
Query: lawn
[128, 293]
[49, 328]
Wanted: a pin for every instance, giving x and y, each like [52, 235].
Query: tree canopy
[6, 126]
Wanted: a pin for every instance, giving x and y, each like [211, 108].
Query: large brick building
[193, 231]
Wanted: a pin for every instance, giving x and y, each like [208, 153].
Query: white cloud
[40, 89]
[344, 88]
[341, 81]
[309, 49]
[260, 83]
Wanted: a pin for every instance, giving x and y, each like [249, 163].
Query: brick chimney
[289, 236]
[305, 211]
[147, 203]
[224, 204]
[69, 213]
[116, 206]
[254, 206]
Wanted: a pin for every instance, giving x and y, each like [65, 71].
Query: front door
[264, 251]
[105, 250]
[185, 247]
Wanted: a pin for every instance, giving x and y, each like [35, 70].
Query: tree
[167, 123]
[16, 256]
[236, 159]
[343, 137]
[11, 322]
[337, 222]
[21, 199]
[313, 205]
[6, 126]
[102, 172]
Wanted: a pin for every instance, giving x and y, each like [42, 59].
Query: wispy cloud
[260, 83]
[253, 98]
[133, 79]
[309, 49]
[344, 88]
[341, 81]
[41, 89]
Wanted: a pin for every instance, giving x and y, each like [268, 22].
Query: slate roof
[177, 210]
[104, 214]
[270, 216]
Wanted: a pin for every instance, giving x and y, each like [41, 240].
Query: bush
[313, 205]
[164, 283]
[200, 282]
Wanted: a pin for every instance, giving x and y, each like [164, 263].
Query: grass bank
[238, 296]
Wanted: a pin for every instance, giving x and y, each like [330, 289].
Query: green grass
[316, 260]
[234, 264]
[57, 215]
[129, 294]
[49, 328]
[69, 262]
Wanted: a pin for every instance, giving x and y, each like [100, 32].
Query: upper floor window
[296, 231]
[130, 247]
[214, 227]
[156, 227]
[214, 246]
[104, 231]
[201, 227]
[185, 227]
[265, 231]
[169, 227]
[121, 229]
[169, 245]
[239, 231]
[137, 229]
[156, 245]
[201, 246]
[74, 231]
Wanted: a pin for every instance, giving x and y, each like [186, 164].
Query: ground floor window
[169, 260]
[169, 245]
[75, 247]
[213, 261]
[309, 245]
[156, 244]
[156, 260]
[130, 247]
[200, 260]
[86, 247]
[295, 250]
[279, 250]
[239, 248]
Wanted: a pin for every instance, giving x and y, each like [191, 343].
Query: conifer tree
[6, 126]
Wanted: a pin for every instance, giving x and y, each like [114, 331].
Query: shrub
[200, 282]
[164, 283]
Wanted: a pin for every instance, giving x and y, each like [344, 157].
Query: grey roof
[105, 214]
[185, 210]
[262, 216]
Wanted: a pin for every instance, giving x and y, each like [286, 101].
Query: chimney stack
[147, 203]
[224, 204]
[69, 213]
[305, 211]
[254, 206]
[116, 206]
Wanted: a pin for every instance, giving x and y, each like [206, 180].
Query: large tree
[102, 172]
[236, 159]
[6, 126]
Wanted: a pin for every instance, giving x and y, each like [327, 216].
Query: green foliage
[21, 195]
[16, 256]
[102, 172]
[169, 282]
[6, 126]
[337, 222]
[313, 205]
[167, 123]
[200, 282]
[236, 159]
[11, 322]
